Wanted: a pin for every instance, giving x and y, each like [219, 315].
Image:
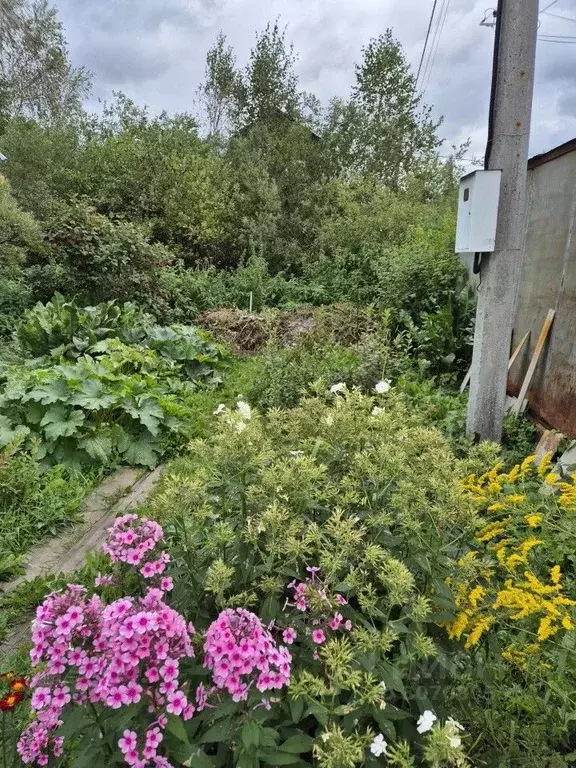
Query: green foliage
[95, 258]
[37, 78]
[61, 328]
[33, 503]
[91, 398]
[373, 501]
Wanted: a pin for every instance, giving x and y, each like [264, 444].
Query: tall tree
[384, 129]
[36, 77]
[220, 87]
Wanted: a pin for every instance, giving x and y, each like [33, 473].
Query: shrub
[92, 257]
[33, 503]
[515, 594]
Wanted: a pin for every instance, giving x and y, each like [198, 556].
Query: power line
[426, 40]
[559, 37]
[432, 44]
[549, 6]
[434, 52]
[562, 42]
[557, 16]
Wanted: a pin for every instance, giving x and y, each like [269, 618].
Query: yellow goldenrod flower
[514, 560]
[476, 595]
[516, 498]
[546, 629]
[457, 627]
[501, 555]
[500, 544]
[527, 545]
[481, 626]
[567, 623]
[546, 464]
[494, 488]
[496, 507]
[551, 478]
[493, 529]
[533, 520]
[526, 465]
[561, 600]
[514, 473]
[555, 574]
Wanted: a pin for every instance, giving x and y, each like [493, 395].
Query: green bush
[90, 398]
[94, 258]
[64, 331]
[373, 502]
[33, 503]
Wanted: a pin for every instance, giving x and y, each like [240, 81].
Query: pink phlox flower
[336, 621]
[289, 635]
[128, 741]
[318, 636]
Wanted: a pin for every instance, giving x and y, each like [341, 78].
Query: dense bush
[94, 258]
[33, 503]
[107, 384]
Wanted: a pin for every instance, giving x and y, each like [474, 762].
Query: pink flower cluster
[113, 656]
[135, 541]
[311, 596]
[241, 652]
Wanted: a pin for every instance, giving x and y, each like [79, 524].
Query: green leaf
[319, 711]
[92, 396]
[176, 727]
[219, 732]
[8, 433]
[58, 422]
[50, 392]
[297, 744]
[139, 452]
[278, 758]
[296, 709]
[200, 759]
[97, 446]
[250, 734]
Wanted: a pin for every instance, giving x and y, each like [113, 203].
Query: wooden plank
[534, 361]
[510, 362]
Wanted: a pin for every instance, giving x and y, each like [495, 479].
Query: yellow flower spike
[501, 555]
[527, 545]
[514, 473]
[546, 629]
[500, 545]
[551, 478]
[516, 498]
[533, 520]
[514, 561]
[555, 574]
[481, 626]
[561, 600]
[494, 487]
[476, 595]
[567, 623]
[457, 627]
[496, 507]
[546, 464]
[526, 465]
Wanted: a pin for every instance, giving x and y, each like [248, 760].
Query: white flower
[339, 387]
[452, 727]
[329, 420]
[379, 746]
[244, 409]
[377, 411]
[240, 426]
[426, 721]
[382, 387]
[221, 408]
[296, 453]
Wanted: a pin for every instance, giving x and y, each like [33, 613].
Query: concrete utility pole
[507, 149]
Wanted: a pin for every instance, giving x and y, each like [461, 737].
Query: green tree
[36, 77]
[384, 129]
[220, 87]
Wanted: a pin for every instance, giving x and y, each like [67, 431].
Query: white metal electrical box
[477, 212]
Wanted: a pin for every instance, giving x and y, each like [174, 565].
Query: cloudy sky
[154, 51]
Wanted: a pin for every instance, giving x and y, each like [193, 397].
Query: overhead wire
[426, 41]
[558, 16]
[436, 44]
[549, 6]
